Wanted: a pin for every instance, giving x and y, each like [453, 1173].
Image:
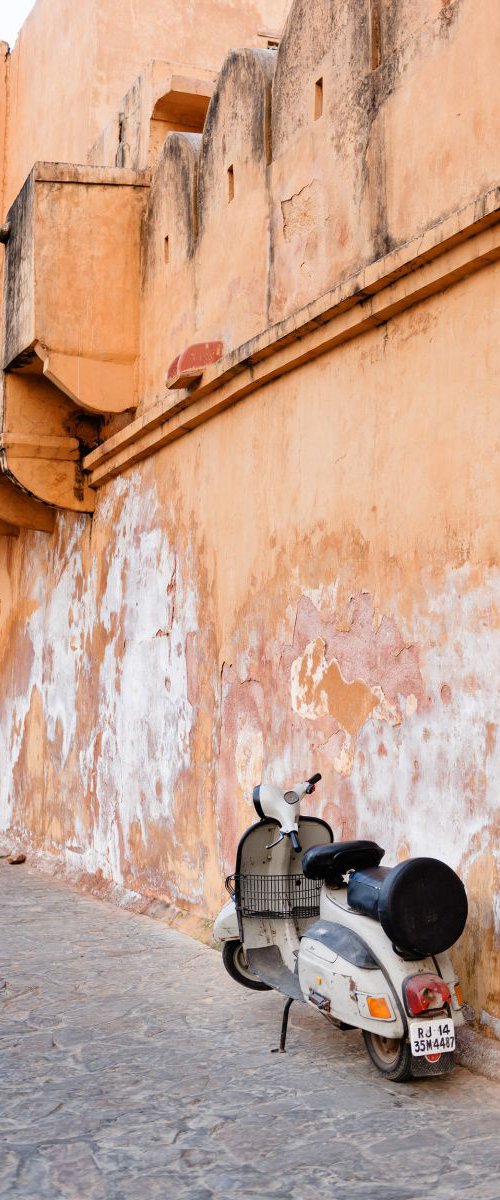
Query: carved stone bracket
[70, 338]
[18, 510]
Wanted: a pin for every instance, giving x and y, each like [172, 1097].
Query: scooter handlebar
[294, 839]
[313, 781]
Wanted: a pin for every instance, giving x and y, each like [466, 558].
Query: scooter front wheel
[392, 1056]
[233, 957]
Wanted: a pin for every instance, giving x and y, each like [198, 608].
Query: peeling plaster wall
[308, 582]
[100, 711]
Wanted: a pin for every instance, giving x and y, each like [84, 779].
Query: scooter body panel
[325, 975]
[226, 926]
[448, 973]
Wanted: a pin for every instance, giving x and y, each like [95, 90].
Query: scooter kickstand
[284, 1026]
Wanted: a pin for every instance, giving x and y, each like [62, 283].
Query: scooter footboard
[268, 964]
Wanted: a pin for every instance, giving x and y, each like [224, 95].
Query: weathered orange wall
[161, 658]
[4, 65]
[308, 581]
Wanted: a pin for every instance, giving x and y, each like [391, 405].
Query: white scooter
[323, 922]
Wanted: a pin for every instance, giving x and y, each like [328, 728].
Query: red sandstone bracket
[189, 366]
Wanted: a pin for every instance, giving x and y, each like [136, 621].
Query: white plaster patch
[324, 597]
[385, 711]
[55, 632]
[496, 914]
[306, 674]
[144, 718]
[343, 763]
[435, 788]
[310, 700]
[141, 718]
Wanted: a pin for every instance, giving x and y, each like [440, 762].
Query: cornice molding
[443, 255]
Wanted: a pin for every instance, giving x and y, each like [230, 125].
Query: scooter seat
[332, 862]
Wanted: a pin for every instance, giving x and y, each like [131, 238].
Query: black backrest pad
[363, 892]
[329, 862]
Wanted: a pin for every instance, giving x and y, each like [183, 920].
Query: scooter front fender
[226, 924]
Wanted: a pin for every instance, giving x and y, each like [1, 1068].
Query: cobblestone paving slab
[132, 1067]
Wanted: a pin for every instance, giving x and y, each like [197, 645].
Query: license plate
[432, 1037]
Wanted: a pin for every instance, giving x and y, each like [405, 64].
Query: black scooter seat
[332, 862]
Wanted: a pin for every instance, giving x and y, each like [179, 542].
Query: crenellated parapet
[169, 239]
[316, 161]
[232, 252]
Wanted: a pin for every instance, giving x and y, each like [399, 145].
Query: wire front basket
[275, 896]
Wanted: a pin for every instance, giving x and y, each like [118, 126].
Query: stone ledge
[57, 172]
[478, 1053]
[111, 892]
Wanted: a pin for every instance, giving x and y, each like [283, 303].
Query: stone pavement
[132, 1067]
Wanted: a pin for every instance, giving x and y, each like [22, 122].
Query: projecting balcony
[70, 338]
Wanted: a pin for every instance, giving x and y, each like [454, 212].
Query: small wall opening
[166, 250]
[230, 184]
[180, 110]
[318, 98]
[271, 37]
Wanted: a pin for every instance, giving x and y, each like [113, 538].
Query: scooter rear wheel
[233, 957]
[391, 1056]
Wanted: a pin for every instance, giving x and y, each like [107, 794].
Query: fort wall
[293, 563]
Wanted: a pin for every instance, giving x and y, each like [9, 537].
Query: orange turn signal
[379, 1008]
[459, 995]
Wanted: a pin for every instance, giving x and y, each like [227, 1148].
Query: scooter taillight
[425, 992]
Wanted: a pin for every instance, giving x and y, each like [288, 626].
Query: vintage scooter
[322, 922]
